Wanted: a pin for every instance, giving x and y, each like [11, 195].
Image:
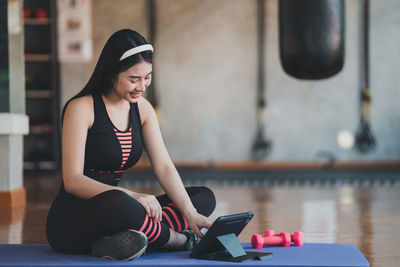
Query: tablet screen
[223, 225]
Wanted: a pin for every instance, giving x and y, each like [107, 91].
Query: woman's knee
[203, 199]
[209, 195]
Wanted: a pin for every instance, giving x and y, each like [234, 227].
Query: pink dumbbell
[297, 238]
[257, 241]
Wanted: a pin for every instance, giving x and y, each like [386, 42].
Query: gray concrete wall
[205, 71]
[206, 76]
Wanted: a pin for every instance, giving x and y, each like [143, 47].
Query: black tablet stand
[234, 251]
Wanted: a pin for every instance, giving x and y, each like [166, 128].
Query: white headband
[136, 50]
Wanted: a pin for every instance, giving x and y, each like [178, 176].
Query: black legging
[113, 211]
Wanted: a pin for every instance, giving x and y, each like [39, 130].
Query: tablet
[223, 225]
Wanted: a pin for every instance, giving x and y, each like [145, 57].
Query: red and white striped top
[125, 140]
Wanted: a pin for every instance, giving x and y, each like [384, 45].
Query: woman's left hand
[196, 222]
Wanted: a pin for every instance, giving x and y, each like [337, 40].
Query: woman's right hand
[150, 204]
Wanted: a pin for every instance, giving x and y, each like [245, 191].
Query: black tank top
[108, 153]
[108, 149]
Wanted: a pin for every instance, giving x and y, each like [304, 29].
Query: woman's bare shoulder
[81, 108]
[82, 102]
[145, 109]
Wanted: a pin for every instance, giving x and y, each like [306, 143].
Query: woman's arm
[165, 170]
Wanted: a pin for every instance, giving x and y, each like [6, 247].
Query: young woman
[104, 129]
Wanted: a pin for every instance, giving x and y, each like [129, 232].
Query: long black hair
[108, 66]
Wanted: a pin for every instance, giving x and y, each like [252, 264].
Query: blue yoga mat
[308, 255]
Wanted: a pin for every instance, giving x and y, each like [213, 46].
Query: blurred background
[231, 114]
[206, 69]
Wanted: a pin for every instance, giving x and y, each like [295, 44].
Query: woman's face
[131, 83]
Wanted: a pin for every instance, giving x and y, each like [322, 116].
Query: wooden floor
[365, 216]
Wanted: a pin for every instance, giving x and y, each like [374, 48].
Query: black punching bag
[311, 36]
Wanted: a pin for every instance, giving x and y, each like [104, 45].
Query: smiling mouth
[135, 95]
